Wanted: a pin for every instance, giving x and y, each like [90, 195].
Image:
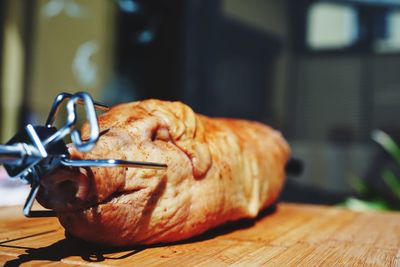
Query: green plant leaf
[387, 143]
[362, 205]
[392, 182]
[359, 185]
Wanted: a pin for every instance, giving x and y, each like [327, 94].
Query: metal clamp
[68, 128]
[38, 150]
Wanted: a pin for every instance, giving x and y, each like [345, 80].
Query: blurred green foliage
[370, 199]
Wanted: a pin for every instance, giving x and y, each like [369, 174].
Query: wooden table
[291, 235]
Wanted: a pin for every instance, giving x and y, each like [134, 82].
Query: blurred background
[326, 73]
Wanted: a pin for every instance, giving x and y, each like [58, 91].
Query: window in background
[389, 40]
[331, 26]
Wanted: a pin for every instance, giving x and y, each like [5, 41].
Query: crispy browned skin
[219, 170]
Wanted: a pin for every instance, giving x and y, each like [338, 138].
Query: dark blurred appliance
[188, 51]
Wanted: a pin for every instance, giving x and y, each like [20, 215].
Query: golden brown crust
[219, 170]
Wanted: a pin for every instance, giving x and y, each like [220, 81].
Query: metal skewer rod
[112, 163]
[12, 154]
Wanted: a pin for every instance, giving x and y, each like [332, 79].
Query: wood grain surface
[290, 235]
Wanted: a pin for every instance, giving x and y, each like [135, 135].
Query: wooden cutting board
[291, 235]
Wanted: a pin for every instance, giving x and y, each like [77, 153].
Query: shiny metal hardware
[112, 163]
[38, 150]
